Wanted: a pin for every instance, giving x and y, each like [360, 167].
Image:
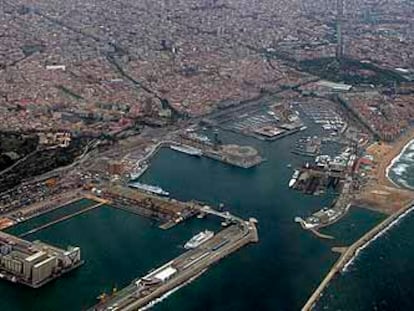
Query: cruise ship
[199, 239]
[187, 150]
[149, 188]
[294, 178]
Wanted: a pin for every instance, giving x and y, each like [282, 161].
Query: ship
[150, 188]
[199, 239]
[187, 150]
[294, 178]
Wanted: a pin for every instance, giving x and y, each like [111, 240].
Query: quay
[168, 211]
[236, 155]
[185, 268]
[351, 252]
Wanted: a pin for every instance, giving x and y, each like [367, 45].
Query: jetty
[346, 258]
[61, 219]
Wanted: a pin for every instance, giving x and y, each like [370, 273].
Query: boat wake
[378, 235]
[400, 169]
[167, 294]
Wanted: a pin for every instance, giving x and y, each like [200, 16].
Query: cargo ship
[294, 178]
[149, 188]
[199, 239]
[187, 150]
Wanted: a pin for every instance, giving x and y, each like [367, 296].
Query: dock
[232, 154]
[168, 212]
[35, 263]
[185, 268]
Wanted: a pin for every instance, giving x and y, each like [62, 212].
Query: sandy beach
[380, 193]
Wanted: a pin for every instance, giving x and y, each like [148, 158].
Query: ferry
[294, 178]
[187, 150]
[199, 239]
[150, 188]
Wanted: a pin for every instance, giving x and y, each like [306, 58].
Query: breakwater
[348, 257]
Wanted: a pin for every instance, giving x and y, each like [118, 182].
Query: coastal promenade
[352, 251]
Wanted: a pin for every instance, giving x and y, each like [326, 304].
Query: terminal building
[34, 263]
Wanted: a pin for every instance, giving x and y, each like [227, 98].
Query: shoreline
[396, 159]
[383, 180]
[380, 192]
[396, 149]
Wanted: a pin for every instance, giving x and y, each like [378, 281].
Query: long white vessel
[294, 178]
[199, 239]
[149, 188]
[187, 150]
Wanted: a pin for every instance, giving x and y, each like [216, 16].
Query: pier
[64, 218]
[168, 211]
[348, 255]
[185, 268]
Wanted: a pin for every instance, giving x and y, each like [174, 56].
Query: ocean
[381, 276]
[401, 170]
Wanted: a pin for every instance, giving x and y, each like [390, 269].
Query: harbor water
[278, 273]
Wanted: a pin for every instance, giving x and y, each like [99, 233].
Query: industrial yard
[34, 263]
